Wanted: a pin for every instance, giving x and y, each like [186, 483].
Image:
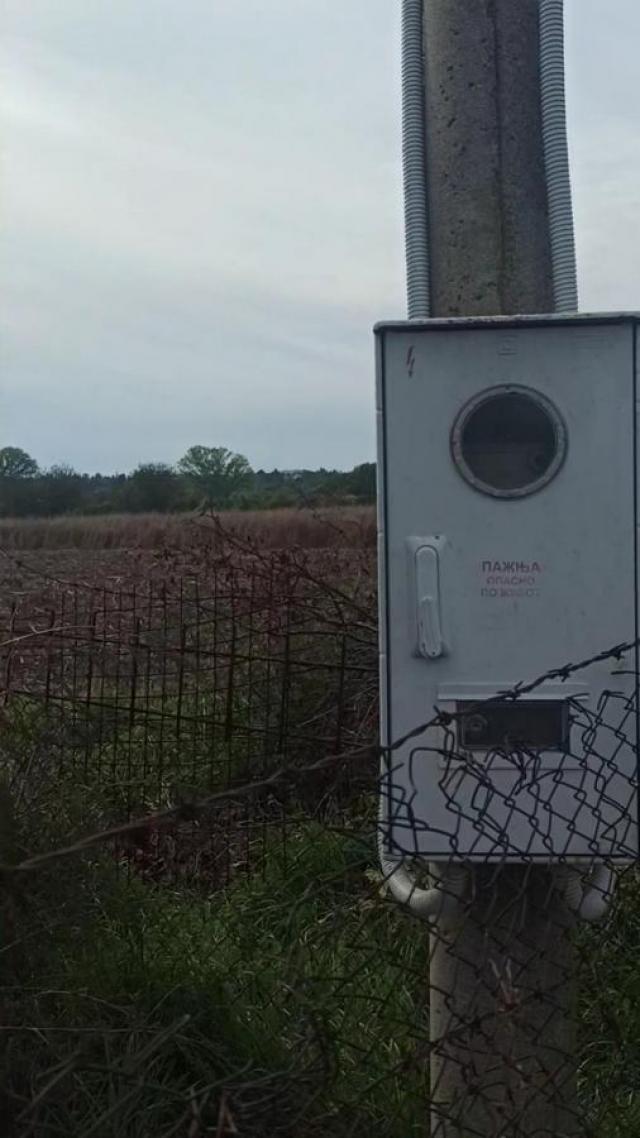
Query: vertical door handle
[427, 568]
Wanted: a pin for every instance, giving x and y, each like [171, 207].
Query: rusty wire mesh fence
[155, 693]
[197, 936]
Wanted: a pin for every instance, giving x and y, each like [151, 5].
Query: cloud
[202, 218]
[198, 228]
[604, 109]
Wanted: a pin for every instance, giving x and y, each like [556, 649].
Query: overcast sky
[201, 219]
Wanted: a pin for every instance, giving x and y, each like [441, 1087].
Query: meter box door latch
[508, 547]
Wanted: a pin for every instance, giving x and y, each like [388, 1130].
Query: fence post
[501, 976]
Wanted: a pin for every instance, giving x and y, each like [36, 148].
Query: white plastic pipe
[443, 899]
[587, 895]
[556, 153]
[414, 161]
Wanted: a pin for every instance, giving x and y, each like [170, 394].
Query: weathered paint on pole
[490, 247]
[501, 992]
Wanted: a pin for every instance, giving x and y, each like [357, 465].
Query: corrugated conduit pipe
[444, 897]
[414, 161]
[556, 154]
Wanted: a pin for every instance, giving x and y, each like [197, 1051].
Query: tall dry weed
[272, 529]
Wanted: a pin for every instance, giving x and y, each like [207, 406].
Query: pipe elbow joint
[443, 899]
[588, 896]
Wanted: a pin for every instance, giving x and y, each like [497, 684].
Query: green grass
[302, 993]
[609, 1016]
[296, 1000]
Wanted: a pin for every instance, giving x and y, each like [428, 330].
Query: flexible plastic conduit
[556, 153]
[444, 897]
[414, 161]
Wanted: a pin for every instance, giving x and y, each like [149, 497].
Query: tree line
[205, 477]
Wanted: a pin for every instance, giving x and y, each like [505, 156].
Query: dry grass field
[271, 529]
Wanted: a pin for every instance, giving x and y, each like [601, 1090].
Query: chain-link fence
[198, 936]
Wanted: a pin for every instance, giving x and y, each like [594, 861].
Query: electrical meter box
[508, 548]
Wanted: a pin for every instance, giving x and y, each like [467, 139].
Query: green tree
[152, 487]
[215, 473]
[361, 482]
[60, 490]
[18, 483]
[16, 463]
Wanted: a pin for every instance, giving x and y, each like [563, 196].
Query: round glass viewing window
[509, 441]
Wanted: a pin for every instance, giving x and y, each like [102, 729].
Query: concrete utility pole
[490, 248]
[503, 1059]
